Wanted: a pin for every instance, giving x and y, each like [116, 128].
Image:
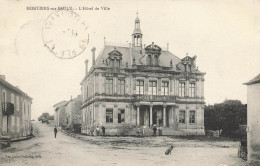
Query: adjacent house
[15, 110]
[73, 112]
[140, 85]
[253, 120]
[59, 114]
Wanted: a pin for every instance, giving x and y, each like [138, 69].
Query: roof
[77, 99]
[10, 86]
[138, 54]
[254, 80]
[60, 104]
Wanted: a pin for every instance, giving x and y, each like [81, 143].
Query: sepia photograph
[130, 82]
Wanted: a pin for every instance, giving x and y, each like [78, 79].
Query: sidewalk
[21, 138]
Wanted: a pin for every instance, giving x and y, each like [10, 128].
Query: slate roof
[129, 53]
[60, 104]
[11, 87]
[254, 80]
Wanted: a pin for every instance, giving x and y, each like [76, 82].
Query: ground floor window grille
[121, 116]
[182, 117]
[192, 117]
[109, 115]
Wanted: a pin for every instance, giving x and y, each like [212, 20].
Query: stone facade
[59, 114]
[15, 111]
[142, 86]
[73, 111]
[253, 119]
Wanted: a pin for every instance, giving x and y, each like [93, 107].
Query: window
[140, 87]
[192, 90]
[28, 110]
[121, 116]
[109, 115]
[12, 98]
[24, 109]
[182, 89]
[192, 117]
[121, 87]
[152, 88]
[182, 117]
[17, 103]
[4, 100]
[118, 63]
[156, 60]
[109, 86]
[149, 60]
[165, 88]
[111, 62]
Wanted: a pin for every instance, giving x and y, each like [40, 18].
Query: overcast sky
[225, 36]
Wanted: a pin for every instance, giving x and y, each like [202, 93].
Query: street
[44, 149]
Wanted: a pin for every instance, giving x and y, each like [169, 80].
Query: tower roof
[137, 25]
[137, 19]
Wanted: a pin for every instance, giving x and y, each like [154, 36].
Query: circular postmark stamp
[65, 34]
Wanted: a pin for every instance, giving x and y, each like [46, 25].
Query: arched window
[149, 60]
[156, 60]
[4, 96]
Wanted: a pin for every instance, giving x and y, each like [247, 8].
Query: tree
[43, 117]
[49, 117]
[226, 116]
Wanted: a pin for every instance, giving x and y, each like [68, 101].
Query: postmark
[65, 34]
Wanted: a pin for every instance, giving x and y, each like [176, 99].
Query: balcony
[188, 75]
[7, 108]
[154, 98]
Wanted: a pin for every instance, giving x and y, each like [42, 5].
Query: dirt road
[44, 149]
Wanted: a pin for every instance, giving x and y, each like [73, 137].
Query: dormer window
[156, 60]
[118, 63]
[114, 58]
[153, 52]
[188, 63]
[149, 60]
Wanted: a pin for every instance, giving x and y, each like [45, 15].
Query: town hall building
[142, 86]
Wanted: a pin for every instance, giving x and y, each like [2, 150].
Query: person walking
[91, 131]
[55, 131]
[103, 130]
[154, 130]
[97, 130]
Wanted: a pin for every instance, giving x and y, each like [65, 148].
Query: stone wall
[253, 115]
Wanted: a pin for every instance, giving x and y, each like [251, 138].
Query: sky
[224, 34]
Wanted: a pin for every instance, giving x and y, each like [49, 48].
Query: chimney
[86, 63]
[93, 55]
[2, 77]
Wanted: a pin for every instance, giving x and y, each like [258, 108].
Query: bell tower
[137, 35]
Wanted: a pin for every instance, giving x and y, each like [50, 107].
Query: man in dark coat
[103, 130]
[55, 131]
[154, 130]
